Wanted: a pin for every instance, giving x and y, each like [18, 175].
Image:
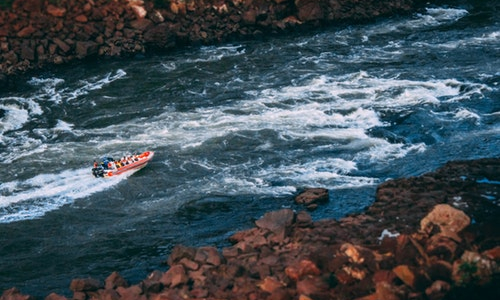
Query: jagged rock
[437, 290]
[26, 31]
[277, 222]
[493, 254]
[56, 11]
[309, 10]
[407, 275]
[133, 292]
[450, 221]
[175, 276]
[208, 255]
[304, 268]
[270, 284]
[15, 294]
[314, 287]
[441, 246]
[311, 197]
[84, 49]
[115, 280]
[85, 284]
[179, 252]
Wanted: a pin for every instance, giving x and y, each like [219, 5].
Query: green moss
[468, 273]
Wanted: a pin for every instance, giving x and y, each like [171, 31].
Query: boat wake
[32, 198]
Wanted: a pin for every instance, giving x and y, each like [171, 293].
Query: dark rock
[62, 45]
[161, 36]
[84, 49]
[84, 285]
[309, 10]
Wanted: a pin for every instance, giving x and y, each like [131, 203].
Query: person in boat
[97, 170]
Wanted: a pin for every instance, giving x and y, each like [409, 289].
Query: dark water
[237, 130]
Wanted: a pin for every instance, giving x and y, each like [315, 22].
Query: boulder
[277, 222]
[449, 220]
[311, 197]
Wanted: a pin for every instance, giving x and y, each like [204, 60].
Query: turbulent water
[237, 129]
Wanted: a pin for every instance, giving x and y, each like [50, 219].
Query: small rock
[56, 11]
[437, 290]
[270, 284]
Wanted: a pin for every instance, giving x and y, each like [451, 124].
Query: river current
[238, 129]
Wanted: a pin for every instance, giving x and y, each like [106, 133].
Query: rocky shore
[36, 34]
[435, 236]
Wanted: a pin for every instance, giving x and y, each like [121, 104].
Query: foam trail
[36, 196]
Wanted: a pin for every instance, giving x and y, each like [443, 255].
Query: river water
[237, 129]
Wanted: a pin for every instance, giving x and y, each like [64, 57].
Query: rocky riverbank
[39, 33]
[435, 236]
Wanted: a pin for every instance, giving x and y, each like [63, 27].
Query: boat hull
[135, 164]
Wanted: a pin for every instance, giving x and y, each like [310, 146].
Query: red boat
[108, 166]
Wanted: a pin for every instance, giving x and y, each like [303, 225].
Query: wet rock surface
[435, 236]
[40, 33]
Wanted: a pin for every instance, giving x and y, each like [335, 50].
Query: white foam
[464, 114]
[14, 117]
[34, 197]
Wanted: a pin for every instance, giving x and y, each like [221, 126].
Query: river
[237, 129]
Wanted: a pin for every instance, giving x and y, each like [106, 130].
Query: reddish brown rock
[15, 294]
[450, 221]
[309, 10]
[175, 276]
[115, 280]
[312, 197]
[314, 287]
[26, 31]
[277, 222]
[85, 284]
[208, 255]
[270, 284]
[179, 252]
[56, 11]
[437, 290]
[133, 292]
